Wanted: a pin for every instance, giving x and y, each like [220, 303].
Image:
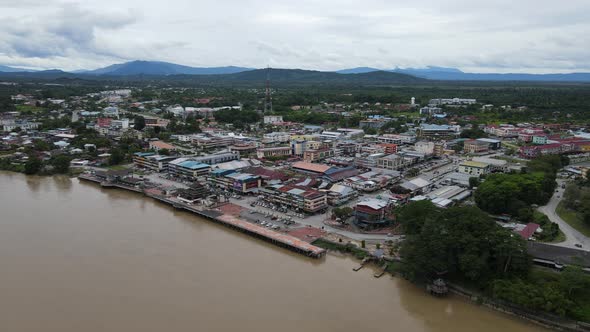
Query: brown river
[78, 258]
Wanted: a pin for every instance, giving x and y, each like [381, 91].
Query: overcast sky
[536, 36]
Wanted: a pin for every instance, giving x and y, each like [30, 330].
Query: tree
[413, 172]
[462, 242]
[414, 215]
[41, 145]
[473, 133]
[370, 131]
[473, 182]
[33, 165]
[139, 123]
[61, 164]
[343, 212]
[164, 152]
[116, 157]
[573, 278]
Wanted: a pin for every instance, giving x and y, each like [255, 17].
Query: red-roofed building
[528, 231]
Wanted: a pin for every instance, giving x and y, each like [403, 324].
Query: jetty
[280, 239]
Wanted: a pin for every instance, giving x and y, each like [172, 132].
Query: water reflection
[62, 182]
[132, 264]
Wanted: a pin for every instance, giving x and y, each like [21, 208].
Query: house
[529, 230]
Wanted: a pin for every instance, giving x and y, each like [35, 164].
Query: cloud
[475, 35]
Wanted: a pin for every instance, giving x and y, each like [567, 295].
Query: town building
[339, 194]
[276, 137]
[300, 199]
[280, 151]
[435, 132]
[493, 144]
[233, 181]
[372, 181]
[391, 162]
[152, 161]
[368, 161]
[187, 168]
[373, 213]
[310, 168]
[496, 165]
[475, 146]
[474, 168]
[273, 119]
[318, 155]
[160, 145]
[451, 101]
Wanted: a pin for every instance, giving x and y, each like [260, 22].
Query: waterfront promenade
[283, 240]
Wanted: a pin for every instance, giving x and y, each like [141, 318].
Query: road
[571, 234]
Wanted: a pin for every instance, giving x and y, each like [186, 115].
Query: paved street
[572, 235]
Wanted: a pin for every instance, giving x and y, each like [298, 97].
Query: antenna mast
[268, 97]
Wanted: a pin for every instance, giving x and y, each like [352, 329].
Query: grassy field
[118, 167]
[572, 218]
[28, 108]
[560, 238]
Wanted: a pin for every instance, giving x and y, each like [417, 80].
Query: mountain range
[378, 76]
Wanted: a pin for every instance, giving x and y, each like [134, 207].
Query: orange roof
[161, 145]
[319, 168]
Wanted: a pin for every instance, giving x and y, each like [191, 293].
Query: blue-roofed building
[188, 168]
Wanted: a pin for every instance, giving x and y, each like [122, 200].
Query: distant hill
[454, 74]
[357, 70]
[256, 77]
[312, 76]
[160, 68]
[449, 76]
[7, 69]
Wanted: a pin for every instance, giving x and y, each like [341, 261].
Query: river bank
[77, 257]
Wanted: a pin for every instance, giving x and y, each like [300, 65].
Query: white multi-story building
[276, 137]
[272, 119]
[452, 101]
[121, 124]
